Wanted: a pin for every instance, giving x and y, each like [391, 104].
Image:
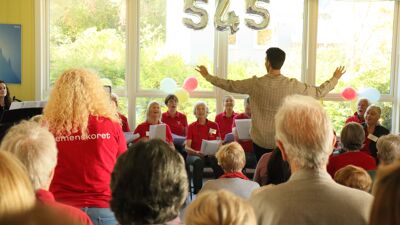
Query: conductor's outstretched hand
[339, 72]
[202, 70]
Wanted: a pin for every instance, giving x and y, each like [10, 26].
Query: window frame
[221, 48]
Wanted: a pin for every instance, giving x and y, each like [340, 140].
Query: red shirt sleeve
[120, 138]
[189, 135]
[125, 124]
[168, 135]
[331, 166]
[141, 130]
[218, 132]
[185, 123]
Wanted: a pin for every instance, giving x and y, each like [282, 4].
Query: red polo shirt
[125, 124]
[197, 133]
[248, 144]
[83, 172]
[47, 198]
[143, 130]
[224, 123]
[177, 124]
[355, 118]
[357, 158]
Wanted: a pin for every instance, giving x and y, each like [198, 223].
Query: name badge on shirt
[372, 137]
[147, 133]
[213, 131]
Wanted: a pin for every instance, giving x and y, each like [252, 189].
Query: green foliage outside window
[91, 34]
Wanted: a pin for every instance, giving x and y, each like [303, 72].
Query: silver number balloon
[224, 20]
[252, 8]
[190, 8]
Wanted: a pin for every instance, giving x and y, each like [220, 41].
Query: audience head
[200, 110]
[171, 101]
[354, 177]
[278, 170]
[388, 148]
[40, 214]
[386, 209]
[352, 136]
[219, 208]
[149, 184]
[36, 148]
[372, 115]
[37, 119]
[17, 195]
[362, 105]
[275, 58]
[247, 108]
[114, 99]
[76, 95]
[229, 102]
[231, 157]
[304, 132]
[5, 93]
[153, 111]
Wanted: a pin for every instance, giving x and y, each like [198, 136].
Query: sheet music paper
[210, 147]
[158, 131]
[27, 104]
[243, 127]
[129, 136]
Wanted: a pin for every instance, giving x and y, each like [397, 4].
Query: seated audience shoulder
[386, 190]
[307, 147]
[232, 160]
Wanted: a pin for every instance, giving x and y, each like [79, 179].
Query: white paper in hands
[27, 104]
[129, 136]
[158, 131]
[243, 127]
[210, 147]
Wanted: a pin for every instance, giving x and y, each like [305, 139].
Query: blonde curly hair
[76, 95]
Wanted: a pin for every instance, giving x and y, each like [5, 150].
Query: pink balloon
[190, 84]
[349, 94]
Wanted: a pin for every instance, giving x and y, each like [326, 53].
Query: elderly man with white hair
[358, 117]
[304, 136]
[36, 148]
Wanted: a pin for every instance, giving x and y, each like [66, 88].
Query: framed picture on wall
[10, 53]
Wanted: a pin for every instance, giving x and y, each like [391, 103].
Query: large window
[88, 34]
[323, 34]
[246, 56]
[357, 34]
[168, 48]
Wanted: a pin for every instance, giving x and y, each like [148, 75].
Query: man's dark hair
[149, 184]
[276, 57]
[169, 97]
[278, 170]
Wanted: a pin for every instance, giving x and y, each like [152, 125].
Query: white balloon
[252, 8]
[190, 8]
[224, 20]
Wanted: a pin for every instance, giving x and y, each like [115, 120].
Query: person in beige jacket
[267, 93]
[304, 136]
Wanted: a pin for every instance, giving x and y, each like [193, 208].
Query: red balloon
[190, 84]
[349, 94]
